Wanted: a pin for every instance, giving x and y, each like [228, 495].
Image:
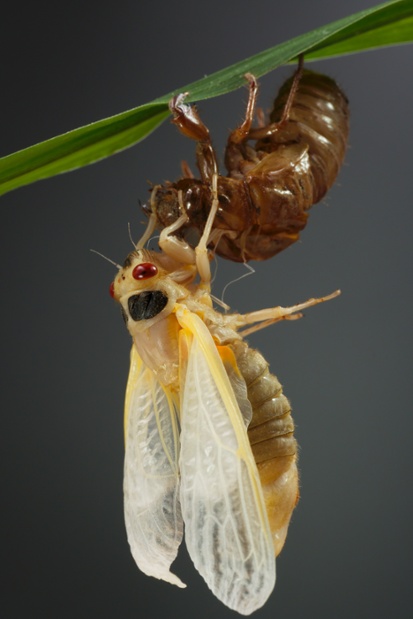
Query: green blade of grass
[385, 24]
[79, 147]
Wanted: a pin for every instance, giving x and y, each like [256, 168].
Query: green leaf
[385, 24]
[80, 147]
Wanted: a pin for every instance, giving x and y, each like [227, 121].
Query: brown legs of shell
[237, 154]
[256, 134]
[186, 118]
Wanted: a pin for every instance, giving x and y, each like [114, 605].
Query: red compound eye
[112, 290]
[144, 271]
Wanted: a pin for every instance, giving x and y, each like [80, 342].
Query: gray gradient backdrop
[346, 367]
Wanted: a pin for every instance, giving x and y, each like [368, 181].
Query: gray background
[346, 367]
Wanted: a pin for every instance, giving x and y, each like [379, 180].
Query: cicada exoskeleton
[276, 171]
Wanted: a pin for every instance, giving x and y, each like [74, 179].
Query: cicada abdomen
[318, 121]
[271, 436]
[276, 171]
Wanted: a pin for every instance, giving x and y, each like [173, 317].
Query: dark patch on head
[147, 304]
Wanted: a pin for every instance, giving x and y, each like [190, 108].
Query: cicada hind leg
[266, 317]
[262, 131]
[271, 431]
[238, 155]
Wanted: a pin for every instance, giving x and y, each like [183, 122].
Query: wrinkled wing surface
[226, 526]
[151, 476]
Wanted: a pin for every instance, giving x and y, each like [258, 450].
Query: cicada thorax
[276, 172]
[271, 436]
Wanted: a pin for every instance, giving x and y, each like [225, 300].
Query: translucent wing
[151, 482]
[226, 525]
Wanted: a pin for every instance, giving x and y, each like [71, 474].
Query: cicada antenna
[250, 271]
[106, 258]
[130, 235]
[215, 273]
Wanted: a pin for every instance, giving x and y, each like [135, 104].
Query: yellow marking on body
[135, 369]
[228, 357]
[173, 327]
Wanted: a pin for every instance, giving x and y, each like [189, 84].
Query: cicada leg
[186, 118]
[201, 251]
[291, 96]
[266, 317]
[175, 247]
[262, 132]
[238, 155]
[240, 134]
[235, 152]
[150, 228]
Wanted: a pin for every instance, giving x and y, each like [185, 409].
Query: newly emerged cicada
[208, 432]
[272, 183]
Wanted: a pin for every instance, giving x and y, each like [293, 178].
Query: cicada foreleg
[266, 317]
[174, 246]
[171, 245]
[150, 228]
[167, 231]
[201, 251]
[178, 248]
[186, 118]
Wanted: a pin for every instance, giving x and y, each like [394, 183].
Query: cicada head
[147, 286]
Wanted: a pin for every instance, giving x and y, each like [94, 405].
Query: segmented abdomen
[271, 435]
[319, 118]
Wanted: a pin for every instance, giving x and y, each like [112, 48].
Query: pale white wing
[226, 526]
[151, 477]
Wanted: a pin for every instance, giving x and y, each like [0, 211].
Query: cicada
[276, 170]
[208, 431]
